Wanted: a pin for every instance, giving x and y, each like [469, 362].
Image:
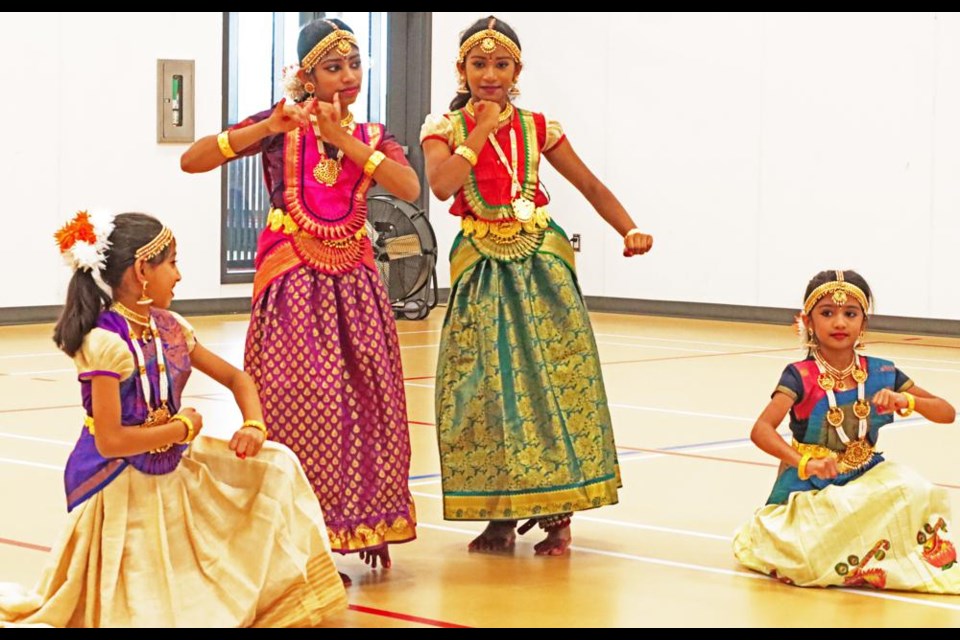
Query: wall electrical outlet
[575, 241]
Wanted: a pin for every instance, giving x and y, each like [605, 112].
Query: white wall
[79, 116]
[757, 148]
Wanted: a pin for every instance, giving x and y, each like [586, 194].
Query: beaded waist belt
[858, 454]
[329, 256]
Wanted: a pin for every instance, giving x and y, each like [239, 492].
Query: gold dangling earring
[144, 299]
[859, 346]
[811, 339]
[310, 88]
[462, 89]
[513, 91]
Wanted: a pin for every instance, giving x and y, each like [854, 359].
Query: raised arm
[446, 170]
[206, 154]
[566, 161]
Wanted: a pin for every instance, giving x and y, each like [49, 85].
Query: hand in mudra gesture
[287, 117]
[328, 115]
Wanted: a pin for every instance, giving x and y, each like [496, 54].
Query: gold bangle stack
[191, 432]
[373, 162]
[223, 141]
[802, 467]
[467, 154]
[257, 424]
[911, 405]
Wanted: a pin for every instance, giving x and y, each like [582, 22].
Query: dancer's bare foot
[370, 556]
[496, 538]
[345, 579]
[556, 543]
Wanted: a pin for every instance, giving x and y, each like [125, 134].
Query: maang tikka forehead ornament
[488, 39]
[838, 289]
[340, 39]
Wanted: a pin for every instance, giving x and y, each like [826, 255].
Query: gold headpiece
[342, 39]
[156, 246]
[488, 39]
[839, 289]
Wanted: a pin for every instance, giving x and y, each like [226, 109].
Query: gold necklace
[833, 378]
[327, 169]
[502, 119]
[130, 314]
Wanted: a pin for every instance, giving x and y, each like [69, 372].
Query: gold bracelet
[802, 467]
[911, 405]
[191, 434]
[223, 141]
[373, 162]
[467, 154]
[258, 424]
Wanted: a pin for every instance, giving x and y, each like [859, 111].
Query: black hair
[461, 99]
[315, 31]
[85, 300]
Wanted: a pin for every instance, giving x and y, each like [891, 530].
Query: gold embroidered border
[280, 260]
[526, 505]
[364, 537]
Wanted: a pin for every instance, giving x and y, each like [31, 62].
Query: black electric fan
[405, 250]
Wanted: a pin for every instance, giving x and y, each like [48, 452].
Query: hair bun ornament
[292, 86]
[84, 241]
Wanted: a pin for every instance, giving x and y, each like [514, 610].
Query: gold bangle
[223, 141]
[373, 162]
[802, 467]
[191, 434]
[258, 424]
[467, 154]
[911, 405]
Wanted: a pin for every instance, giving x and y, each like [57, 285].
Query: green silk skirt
[522, 419]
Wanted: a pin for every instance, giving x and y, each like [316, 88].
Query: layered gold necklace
[834, 378]
[327, 169]
[859, 450]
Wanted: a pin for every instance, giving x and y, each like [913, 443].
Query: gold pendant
[826, 382]
[856, 454]
[835, 416]
[523, 209]
[859, 375]
[861, 409]
[160, 415]
[327, 171]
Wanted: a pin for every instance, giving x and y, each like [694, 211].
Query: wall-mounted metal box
[175, 101]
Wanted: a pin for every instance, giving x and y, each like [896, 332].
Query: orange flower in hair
[80, 229]
[84, 240]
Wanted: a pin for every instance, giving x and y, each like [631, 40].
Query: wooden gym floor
[683, 394]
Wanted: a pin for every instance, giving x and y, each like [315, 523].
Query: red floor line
[426, 424]
[25, 545]
[407, 617]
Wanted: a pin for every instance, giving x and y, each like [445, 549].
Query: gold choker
[130, 314]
